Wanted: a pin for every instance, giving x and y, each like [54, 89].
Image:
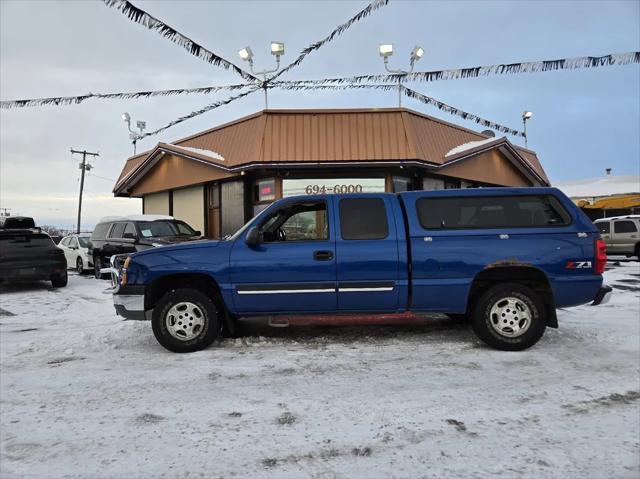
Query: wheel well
[525, 275]
[158, 287]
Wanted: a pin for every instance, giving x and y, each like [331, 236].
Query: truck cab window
[363, 219]
[297, 222]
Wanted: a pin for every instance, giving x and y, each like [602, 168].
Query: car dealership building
[218, 179]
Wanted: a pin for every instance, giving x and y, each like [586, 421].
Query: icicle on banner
[143, 18]
[372, 7]
[455, 111]
[613, 59]
[74, 100]
[202, 110]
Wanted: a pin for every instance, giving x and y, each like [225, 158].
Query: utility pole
[83, 166]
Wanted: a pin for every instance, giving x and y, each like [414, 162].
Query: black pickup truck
[29, 254]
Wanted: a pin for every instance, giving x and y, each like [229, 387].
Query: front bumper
[603, 296]
[130, 306]
[128, 300]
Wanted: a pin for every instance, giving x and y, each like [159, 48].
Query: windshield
[84, 241]
[151, 229]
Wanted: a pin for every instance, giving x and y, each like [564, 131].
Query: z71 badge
[578, 264]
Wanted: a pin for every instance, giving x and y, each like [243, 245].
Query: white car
[76, 250]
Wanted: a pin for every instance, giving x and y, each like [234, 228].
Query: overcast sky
[584, 121]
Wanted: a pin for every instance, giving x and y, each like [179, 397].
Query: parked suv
[26, 253]
[621, 234]
[128, 234]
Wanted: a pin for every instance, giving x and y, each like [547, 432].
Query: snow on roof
[469, 146]
[135, 218]
[211, 154]
[605, 186]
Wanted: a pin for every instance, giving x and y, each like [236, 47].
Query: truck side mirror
[254, 236]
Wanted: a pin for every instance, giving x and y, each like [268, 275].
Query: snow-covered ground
[84, 394]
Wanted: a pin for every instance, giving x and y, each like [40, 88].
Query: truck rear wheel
[185, 320]
[509, 317]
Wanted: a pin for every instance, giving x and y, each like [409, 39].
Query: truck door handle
[322, 255]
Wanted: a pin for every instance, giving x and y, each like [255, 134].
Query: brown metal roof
[276, 136]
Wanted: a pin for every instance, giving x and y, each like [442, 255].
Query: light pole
[277, 49]
[525, 116]
[386, 50]
[133, 135]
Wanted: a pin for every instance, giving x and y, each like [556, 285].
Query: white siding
[188, 206]
[156, 203]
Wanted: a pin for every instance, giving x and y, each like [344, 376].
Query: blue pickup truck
[504, 258]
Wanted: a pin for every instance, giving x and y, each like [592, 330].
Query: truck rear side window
[603, 226]
[363, 219]
[484, 212]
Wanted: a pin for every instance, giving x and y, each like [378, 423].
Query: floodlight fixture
[416, 53]
[141, 125]
[246, 54]
[526, 115]
[277, 48]
[126, 117]
[385, 50]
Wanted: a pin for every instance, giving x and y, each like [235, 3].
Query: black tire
[59, 280]
[97, 266]
[637, 251]
[79, 265]
[205, 336]
[482, 320]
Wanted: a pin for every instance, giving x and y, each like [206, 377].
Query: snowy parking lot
[85, 394]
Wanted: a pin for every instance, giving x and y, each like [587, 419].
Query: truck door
[367, 252]
[293, 269]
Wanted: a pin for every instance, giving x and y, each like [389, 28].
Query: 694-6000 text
[317, 189]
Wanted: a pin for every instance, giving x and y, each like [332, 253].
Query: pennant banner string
[74, 100]
[415, 95]
[365, 12]
[455, 111]
[204, 109]
[502, 69]
[138, 15]
[613, 59]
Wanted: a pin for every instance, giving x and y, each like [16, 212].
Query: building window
[321, 186]
[400, 184]
[264, 190]
[432, 184]
[451, 184]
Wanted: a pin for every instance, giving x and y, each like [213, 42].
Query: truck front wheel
[509, 317]
[185, 320]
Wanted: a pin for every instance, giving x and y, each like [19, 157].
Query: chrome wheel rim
[185, 321]
[510, 317]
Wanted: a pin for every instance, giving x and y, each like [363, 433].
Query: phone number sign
[320, 186]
